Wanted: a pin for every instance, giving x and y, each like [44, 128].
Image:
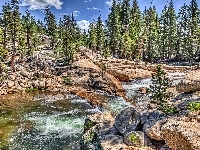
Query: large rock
[101, 124]
[179, 134]
[113, 142]
[188, 86]
[127, 120]
[190, 83]
[152, 129]
[91, 75]
[152, 124]
[101, 117]
[10, 83]
[104, 129]
[119, 75]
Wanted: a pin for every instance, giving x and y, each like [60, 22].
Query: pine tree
[168, 32]
[100, 36]
[126, 45]
[3, 51]
[194, 28]
[40, 27]
[183, 30]
[15, 28]
[68, 40]
[28, 23]
[152, 33]
[84, 38]
[172, 38]
[106, 50]
[92, 35]
[164, 33]
[160, 96]
[51, 27]
[124, 15]
[35, 32]
[5, 22]
[113, 26]
[135, 29]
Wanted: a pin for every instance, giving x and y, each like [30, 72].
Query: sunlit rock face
[190, 83]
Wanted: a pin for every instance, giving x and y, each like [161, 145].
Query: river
[55, 122]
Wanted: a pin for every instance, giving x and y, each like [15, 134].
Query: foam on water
[131, 88]
[57, 122]
[117, 104]
[47, 128]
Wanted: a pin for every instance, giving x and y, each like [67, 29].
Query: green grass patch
[134, 139]
[192, 106]
[31, 90]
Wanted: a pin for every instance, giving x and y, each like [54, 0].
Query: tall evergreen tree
[3, 51]
[5, 22]
[124, 15]
[29, 24]
[113, 25]
[92, 35]
[15, 28]
[168, 32]
[51, 27]
[135, 29]
[152, 33]
[69, 38]
[194, 28]
[100, 36]
[183, 30]
[84, 38]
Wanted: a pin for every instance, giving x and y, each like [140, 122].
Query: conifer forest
[127, 33]
[126, 80]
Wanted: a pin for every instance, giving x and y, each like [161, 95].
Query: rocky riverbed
[141, 122]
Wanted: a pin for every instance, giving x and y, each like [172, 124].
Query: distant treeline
[127, 33]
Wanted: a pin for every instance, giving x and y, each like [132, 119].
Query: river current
[56, 122]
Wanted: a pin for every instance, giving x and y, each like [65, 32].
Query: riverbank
[91, 72]
[86, 72]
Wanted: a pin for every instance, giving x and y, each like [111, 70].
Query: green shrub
[160, 83]
[168, 109]
[103, 69]
[67, 79]
[4, 77]
[134, 139]
[31, 89]
[194, 106]
[89, 125]
[106, 53]
[92, 135]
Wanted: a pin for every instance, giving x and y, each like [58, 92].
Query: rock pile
[132, 129]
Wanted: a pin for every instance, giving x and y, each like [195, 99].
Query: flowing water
[55, 122]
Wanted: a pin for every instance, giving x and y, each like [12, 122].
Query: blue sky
[85, 10]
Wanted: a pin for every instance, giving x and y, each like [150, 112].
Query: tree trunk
[14, 51]
[28, 42]
[13, 63]
[4, 39]
[1, 70]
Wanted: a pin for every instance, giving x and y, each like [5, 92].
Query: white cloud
[76, 13]
[87, 1]
[41, 4]
[109, 2]
[83, 24]
[94, 8]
